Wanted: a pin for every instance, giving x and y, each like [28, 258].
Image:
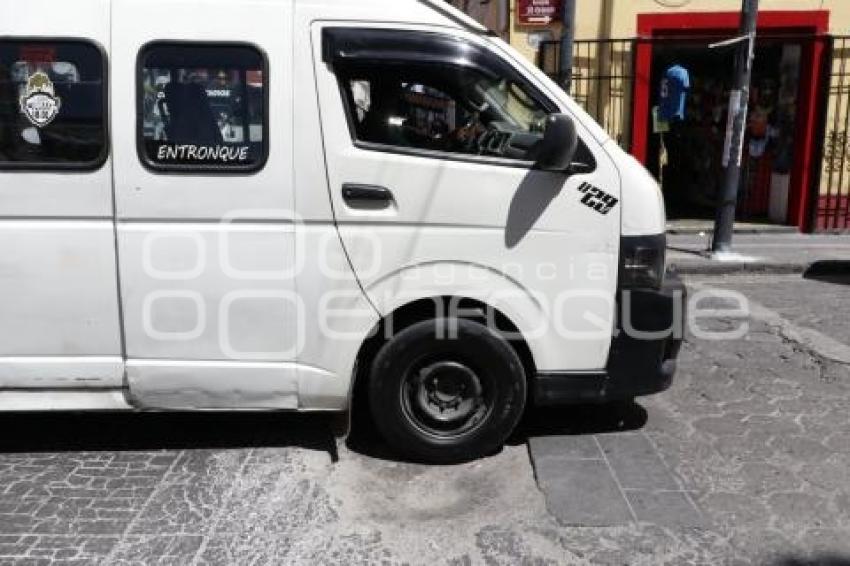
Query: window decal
[202, 153]
[40, 104]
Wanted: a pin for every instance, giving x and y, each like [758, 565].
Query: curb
[729, 268]
[739, 231]
[839, 268]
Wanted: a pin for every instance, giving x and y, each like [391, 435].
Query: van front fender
[525, 309]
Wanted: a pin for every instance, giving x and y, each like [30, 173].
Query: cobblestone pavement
[745, 460]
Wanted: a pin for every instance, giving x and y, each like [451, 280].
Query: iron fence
[832, 206]
[602, 81]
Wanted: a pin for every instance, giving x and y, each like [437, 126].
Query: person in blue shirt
[674, 94]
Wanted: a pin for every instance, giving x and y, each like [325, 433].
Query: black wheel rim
[446, 398]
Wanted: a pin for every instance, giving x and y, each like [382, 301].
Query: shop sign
[538, 12]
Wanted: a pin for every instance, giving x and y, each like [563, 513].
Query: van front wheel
[447, 390]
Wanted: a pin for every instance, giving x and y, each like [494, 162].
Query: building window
[52, 105]
[204, 107]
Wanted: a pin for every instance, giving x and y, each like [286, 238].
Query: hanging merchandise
[674, 93]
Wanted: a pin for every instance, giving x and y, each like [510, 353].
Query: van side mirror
[555, 152]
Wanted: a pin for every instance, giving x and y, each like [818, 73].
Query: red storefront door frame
[700, 24]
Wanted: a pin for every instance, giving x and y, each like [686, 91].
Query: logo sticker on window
[40, 104]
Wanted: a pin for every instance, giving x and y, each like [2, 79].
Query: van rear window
[203, 107]
[52, 105]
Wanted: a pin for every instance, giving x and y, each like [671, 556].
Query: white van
[290, 204]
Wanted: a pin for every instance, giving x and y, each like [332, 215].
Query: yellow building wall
[609, 19]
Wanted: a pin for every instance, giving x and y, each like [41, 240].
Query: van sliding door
[204, 201]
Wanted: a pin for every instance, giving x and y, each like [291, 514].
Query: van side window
[203, 107]
[425, 92]
[52, 105]
[449, 110]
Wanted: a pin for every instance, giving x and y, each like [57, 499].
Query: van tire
[447, 400]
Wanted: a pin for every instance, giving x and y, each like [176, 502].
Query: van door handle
[367, 196]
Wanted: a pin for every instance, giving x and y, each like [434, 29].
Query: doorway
[780, 147]
[687, 155]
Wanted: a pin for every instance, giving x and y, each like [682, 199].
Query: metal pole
[733, 150]
[568, 37]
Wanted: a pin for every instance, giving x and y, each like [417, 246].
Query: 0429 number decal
[597, 199]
